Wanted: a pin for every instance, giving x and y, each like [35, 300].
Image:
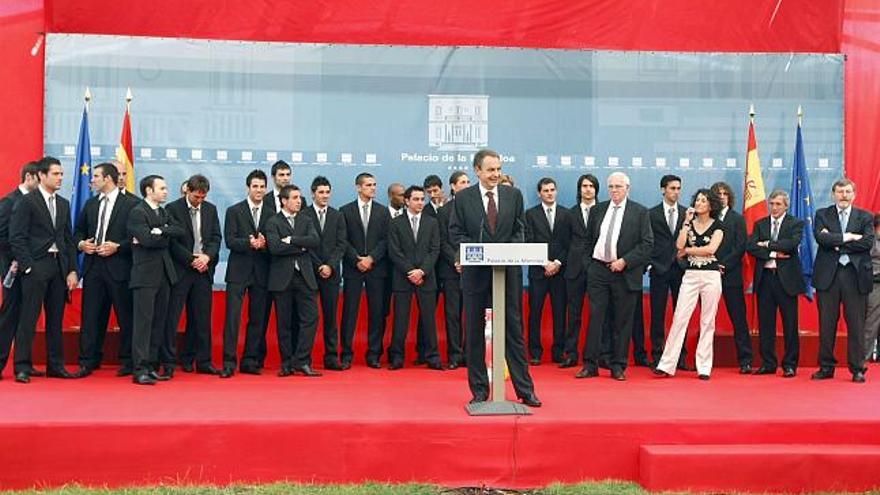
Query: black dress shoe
[419, 362]
[35, 372]
[83, 372]
[452, 365]
[535, 361]
[227, 372]
[763, 370]
[703, 377]
[858, 377]
[60, 373]
[157, 377]
[823, 374]
[788, 372]
[22, 377]
[143, 379]
[207, 370]
[187, 367]
[618, 375]
[374, 364]
[436, 365]
[395, 366]
[250, 370]
[333, 366]
[568, 363]
[531, 400]
[285, 371]
[479, 398]
[659, 372]
[745, 369]
[124, 371]
[345, 365]
[167, 372]
[306, 370]
[587, 373]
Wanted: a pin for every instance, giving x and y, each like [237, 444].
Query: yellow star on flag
[84, 169]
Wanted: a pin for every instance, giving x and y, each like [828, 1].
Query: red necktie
[492, 211]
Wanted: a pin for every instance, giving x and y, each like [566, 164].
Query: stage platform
[758, 433]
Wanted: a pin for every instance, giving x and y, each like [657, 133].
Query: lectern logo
[474, 254]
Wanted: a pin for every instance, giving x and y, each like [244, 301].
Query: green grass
[596, 488]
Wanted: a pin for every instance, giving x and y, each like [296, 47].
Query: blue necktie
[844, 258]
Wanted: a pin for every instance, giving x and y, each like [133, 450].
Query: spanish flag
[754, 197]
[124, 153]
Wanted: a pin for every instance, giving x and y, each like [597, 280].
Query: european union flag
[802, 207]
[83, 176]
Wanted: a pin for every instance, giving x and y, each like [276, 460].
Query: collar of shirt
[723, 212]
[22, 189]
[253, 205]
[411, 216]
[622, 204]
[551, 205]
[361, 204]
[848, 210]
[288, 216]
[318, 209]
[667, 206]
[584, 206]
[45, 193]
[152, 205]
[190, 205]
[111, 196]
[781, 217]
[483, 191]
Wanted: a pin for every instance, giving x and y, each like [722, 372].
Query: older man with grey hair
[778, 281]
[618, 241]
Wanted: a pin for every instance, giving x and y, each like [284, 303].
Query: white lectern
[499, 256]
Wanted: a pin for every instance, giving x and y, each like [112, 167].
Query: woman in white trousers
[697, 242]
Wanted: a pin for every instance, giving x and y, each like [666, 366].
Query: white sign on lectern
[499, 256]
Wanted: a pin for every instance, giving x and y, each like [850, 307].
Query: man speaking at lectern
[489, 212]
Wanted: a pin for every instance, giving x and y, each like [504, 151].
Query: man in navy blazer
[491, 212]
[842, 274]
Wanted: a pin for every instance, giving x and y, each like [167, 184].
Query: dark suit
[408, 252]
[450, 283]
[247, 270]
[9, 311]
[469, 223]
[376, 245]
[778, 288]
[576, 279]
[730, 255]
[152, 275]
[329, 252]
[293, 284]
[838, 284]
[620, 290]
[665, 277]
[105, 280]
[193, 289]
[43, 274]
[538, 230]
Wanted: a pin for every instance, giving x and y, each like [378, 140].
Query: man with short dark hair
[328, 256]
[549, 224]
[413, 247]
[282, 175]
[195, 255]
[102, 236]
[42, 243]
[449, 274]
[664, 272]
[9, 311]
[291, 238]
[152, 275]
[842, 275]
[434, 199]
[492, 212]
[247, 270]
[365, 266]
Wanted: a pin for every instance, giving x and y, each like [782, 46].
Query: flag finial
[88, 97]
[800, 114]
[752, 111]
[128, 96]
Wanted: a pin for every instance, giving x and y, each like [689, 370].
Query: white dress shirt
[599, 249]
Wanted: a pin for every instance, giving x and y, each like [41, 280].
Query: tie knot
[105, 198]
[193, 209]
[671, 210]
[549, 211]
[490, 194]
